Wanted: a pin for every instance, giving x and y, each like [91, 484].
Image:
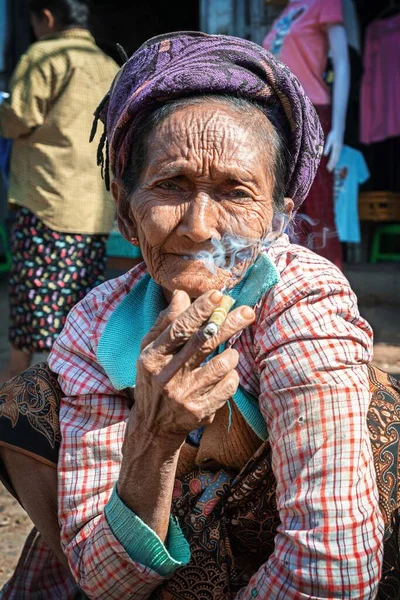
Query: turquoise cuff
[142, 544]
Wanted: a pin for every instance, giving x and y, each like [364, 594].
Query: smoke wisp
[234, 253]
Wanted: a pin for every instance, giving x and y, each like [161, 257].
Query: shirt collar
[74, 32]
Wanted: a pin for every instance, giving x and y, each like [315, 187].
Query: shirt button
[254, 592]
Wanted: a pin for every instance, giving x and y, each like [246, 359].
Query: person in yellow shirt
[63, 212]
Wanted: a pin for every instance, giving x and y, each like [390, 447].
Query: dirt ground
[14, 522]
[14, 527]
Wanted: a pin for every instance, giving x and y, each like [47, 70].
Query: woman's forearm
[147, 477]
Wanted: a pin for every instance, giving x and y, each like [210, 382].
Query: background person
[63, 212]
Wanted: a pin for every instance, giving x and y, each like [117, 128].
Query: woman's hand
[174, 394]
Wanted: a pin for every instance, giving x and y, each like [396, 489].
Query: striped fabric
[305, 357]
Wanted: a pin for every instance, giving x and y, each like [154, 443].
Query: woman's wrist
[147, 475]
[145, 447]
[140, 435]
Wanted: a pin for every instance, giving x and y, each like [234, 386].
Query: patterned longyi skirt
[230, 524]
[51, 271]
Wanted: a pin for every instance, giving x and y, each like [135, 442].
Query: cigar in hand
[218, 316]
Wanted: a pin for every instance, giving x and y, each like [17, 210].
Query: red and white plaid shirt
[305, 358]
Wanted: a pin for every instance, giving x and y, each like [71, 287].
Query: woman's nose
[199, 220]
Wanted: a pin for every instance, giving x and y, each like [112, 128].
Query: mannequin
[351, 25]
[303, 37]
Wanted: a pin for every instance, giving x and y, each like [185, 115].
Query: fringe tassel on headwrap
[103, 163]
[97, 114]
[100, 153]
[107, 169]
[122, 53]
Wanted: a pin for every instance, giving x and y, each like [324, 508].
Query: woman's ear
[126, 225]
[288, 207]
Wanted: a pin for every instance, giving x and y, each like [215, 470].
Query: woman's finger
[198, 348]
[222, 392]
[203, 379]
[180, 302]
[186, 324]
[215, 370]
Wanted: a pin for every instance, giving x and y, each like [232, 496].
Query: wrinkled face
[208, 176]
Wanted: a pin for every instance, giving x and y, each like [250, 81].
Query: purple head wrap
[180, 64]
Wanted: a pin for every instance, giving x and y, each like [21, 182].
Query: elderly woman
[236, 465]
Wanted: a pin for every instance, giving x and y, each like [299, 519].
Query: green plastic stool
[376, 253]
[5, 256]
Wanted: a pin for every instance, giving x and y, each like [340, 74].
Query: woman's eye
[169, 186]
[237, 194]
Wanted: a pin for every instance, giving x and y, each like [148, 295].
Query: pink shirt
[380, 89]
[299, 38]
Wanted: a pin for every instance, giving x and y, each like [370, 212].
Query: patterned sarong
[229, 519]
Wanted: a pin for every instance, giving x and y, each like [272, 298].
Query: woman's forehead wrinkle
[208, 142]
[173, 169]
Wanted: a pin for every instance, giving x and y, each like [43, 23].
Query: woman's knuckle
[232, 383]
[199, 311]
[158, 320]
[231, 356]
[168, 316]
[146, 360]
[159, 379]
[169, 319]
[202, 308]
[236, 322]
[225, 362]
[170, 390]
[179, 330]
[210, 344]
[221, 366]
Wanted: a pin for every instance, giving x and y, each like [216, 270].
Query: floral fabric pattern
[51, 271]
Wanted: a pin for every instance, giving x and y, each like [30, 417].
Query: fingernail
[247, 312]
[174, 293]
[216, 297]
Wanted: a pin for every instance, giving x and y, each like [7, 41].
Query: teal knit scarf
[119, 345]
